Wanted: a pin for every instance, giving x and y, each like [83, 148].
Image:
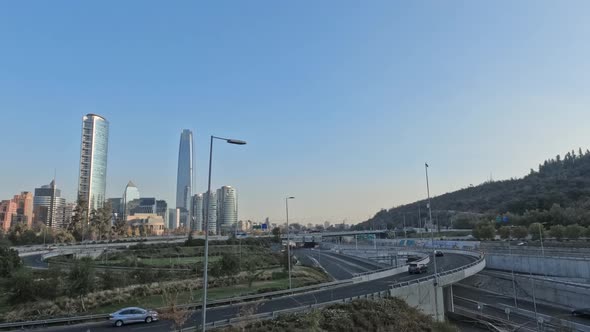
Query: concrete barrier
[569, 267]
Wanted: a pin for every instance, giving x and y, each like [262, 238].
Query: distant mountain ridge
[559, 181]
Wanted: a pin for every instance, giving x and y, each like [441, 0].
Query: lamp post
[432, 236]
[206, 224]
[288, 238]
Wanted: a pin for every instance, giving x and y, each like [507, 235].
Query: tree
[229, 264]
[21, 286]
[101, 220]
[173, 312]
[79, 221]
[276, 232]
[484, 230]
[519, 232]
[573, 232]
[63, 236]
[504, 232]
[557, 231]
[536, 230]
[9, 261]
[81, 279]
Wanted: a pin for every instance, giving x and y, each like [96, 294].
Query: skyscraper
[92, 181]
[227, 209]
[197, 213]
[131, 192]
[48, 206]
[211, 205]
[184, 178]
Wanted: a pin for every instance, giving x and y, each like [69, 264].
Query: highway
[448, 262]
[468, 297]
[339, 267]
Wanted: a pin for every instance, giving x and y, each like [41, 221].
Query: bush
[573, 232]
[536, 230]
[557, 231]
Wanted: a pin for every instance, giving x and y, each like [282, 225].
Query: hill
[557, 193]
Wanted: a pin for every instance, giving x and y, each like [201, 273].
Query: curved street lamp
[206, 225]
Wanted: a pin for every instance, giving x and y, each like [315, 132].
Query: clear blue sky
[341, 102]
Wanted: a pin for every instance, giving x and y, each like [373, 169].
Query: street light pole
[432, 236]
[206, 224]
[288, 238]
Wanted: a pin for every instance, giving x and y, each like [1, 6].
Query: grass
[157, 301]
[161, 262]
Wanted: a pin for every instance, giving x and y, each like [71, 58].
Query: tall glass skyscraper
[184, 179]
[131, 193]
[92, 181]
[210, 203]
[227, 209]
[197, 213]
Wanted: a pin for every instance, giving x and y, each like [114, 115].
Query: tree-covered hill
[557, 193]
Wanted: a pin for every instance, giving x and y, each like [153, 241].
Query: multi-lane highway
[449, 261]
[339, 267]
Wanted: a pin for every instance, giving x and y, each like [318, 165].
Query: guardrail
[438, 275]
[254, 297]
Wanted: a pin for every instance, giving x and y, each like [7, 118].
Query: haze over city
[341, 104]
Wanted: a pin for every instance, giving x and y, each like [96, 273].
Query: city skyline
[341, 112]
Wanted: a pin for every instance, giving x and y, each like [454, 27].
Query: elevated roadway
[449, 262]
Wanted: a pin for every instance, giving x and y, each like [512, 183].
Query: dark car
[438, 253]
[417, 268]
[581, 312]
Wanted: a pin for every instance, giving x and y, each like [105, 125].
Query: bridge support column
[448, 298]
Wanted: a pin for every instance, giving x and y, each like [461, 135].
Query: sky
[341, 102]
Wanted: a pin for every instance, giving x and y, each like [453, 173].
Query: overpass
[312, 239]
[430, 292]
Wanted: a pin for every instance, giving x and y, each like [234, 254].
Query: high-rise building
[131, 192]
[92, 181]
[117, 206]
[227, 209]
[17, 210]
[48, 206]
[197, 213]
[184, 177]
[210, 203]
[173, 218]
[7, 210]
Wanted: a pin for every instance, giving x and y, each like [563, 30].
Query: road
[35, 261]
[464, 296]
[340, 267]
[448, 262]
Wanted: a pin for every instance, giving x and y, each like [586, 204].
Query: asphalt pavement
[448, 262]
[464, 296]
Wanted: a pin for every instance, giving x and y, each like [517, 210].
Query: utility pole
[432, 234]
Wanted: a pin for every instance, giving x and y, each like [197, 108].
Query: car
[417, 268]
[582, 312]
[438, 253]
[133, 315]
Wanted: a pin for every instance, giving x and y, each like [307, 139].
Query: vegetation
[558, 193]
[391, 314]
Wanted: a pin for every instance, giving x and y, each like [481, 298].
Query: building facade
[17, 210]
[146, 224]
[48, 206]
[227, 209]
[197, 213]
[131, 193]
[93, 161]
[173, 218]
[210, 204]
[184, 177]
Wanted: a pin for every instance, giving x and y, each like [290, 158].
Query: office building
[173, 218]
[210, 203]
[184, 177]
[197, 213]
[92, 179]
[131, 193]
[116, 206]
[68, 212]
[17, 210]
[48, 206]
[7, 210]
[146, 224]
[227, 209]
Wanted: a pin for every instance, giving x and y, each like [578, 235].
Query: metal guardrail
[249, 298]
[215, 303]
[437, 275]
